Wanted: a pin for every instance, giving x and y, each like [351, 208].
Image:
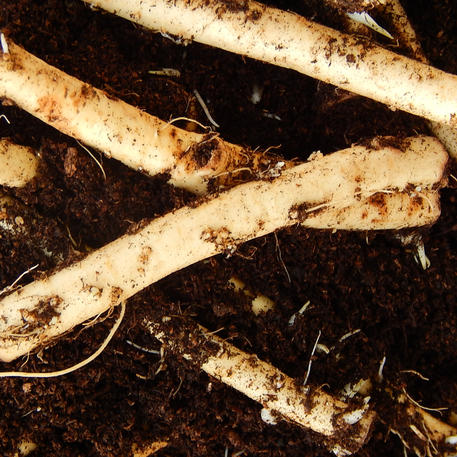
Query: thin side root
[54, 374]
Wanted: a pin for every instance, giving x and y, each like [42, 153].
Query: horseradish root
[119, 130]
[18, 164]
[259, 303]
[356, 188]
[291, 41]
[406, 34]
[420, 432]
[344, 428]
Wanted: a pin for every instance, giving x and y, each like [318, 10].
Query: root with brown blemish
[344, 428]
[119, 130]
[291, 41]
[345, 180]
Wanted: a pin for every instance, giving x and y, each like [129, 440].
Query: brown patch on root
[206, 153]
[378, 200]
[50, 109]
[223, 7]
[221, 238]
[85, 93]
[184, 337]
[44, 311]
[116, 293]
[202, 153]
[39, 316]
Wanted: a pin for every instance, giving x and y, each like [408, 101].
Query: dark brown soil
[353, 281]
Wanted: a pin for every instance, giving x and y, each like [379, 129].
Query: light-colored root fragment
[259, 302]
[402, 28]
[288, 40]
[447, 135]
[345, 428]
[25, 448]
[405, 33]
[147, 450]
[18, 164]
[119, 130]
[356, 188]
[424, 434]
[382, 209]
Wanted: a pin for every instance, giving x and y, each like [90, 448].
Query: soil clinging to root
[369, 300]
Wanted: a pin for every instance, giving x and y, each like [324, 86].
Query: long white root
[119, 130]
[345, 428]
[356, 188]
[288, 40]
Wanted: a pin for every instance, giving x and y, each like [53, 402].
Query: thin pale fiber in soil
[352, 280]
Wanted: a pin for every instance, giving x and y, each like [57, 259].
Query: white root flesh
[356, 188]
[18, 164]
[119, 130]
[288, 40]
[308, 407]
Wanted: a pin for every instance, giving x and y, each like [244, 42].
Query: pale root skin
[306, 406]
[18, 164]
[404, 31]
[119, 130]
[356, 188]
[288, 40]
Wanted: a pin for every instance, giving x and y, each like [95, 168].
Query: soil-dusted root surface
[363, 283]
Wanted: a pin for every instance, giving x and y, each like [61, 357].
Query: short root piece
[18, 164]
[344, 428]
[119, 130]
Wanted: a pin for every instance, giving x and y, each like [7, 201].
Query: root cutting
[139, 140]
